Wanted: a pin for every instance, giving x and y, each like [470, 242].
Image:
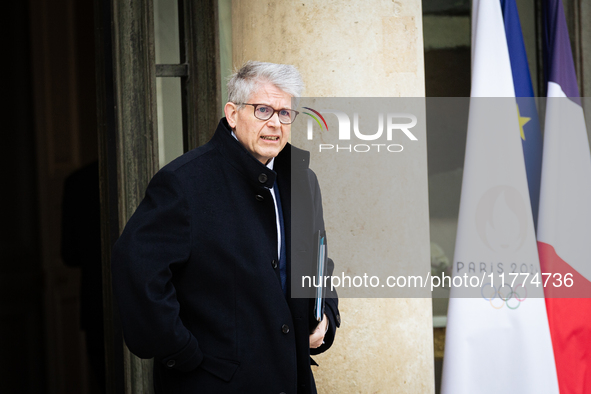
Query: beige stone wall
[342, 48]
[370, 48]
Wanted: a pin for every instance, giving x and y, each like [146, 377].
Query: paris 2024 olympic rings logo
[504, 295]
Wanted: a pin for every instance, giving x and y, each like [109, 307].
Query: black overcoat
[196, 278]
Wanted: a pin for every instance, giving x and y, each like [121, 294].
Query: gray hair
[245, 82]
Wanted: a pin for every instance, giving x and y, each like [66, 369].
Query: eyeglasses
[265, 112]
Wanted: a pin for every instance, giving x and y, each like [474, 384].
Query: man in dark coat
[202, 271]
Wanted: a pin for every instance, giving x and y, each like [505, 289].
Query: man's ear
[231, 112]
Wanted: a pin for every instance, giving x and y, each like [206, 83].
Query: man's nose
[274, 120]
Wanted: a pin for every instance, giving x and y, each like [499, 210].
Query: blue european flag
[529, 124]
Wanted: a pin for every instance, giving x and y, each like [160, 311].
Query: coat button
[274, 264]
[170, 363]
[339, 319]
[259, 197]
[285, 328]
[263, 178]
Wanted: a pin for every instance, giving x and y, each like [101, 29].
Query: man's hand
[317, 337]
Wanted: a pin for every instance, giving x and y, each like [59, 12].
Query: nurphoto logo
[397, 124]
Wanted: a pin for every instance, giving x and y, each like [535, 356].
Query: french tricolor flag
[564, 220]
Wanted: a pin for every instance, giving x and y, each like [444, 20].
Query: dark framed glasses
[265, 112]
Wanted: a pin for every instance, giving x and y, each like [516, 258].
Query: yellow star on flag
[522, 121]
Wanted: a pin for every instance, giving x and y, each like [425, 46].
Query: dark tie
[282, 255]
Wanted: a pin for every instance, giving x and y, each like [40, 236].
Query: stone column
[370, 48]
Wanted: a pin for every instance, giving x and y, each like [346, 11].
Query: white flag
[497, 340]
